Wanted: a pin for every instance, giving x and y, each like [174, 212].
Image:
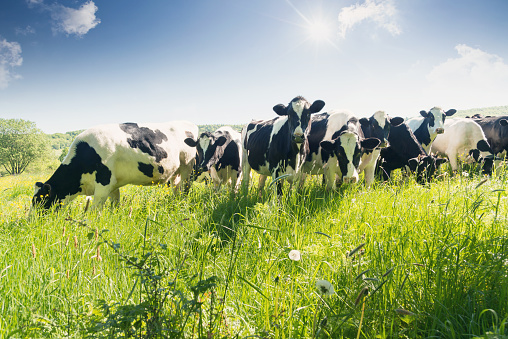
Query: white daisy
[295, 255]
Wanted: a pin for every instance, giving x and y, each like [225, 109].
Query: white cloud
[10, 57]
[75, 21]
[381, 12]
[25, 31]
[474, 79]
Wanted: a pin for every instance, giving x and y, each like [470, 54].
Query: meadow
[397, 260]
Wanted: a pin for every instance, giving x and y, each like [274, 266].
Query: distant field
[429, 262]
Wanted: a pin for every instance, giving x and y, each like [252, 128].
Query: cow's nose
[440, 130]
[384, 144]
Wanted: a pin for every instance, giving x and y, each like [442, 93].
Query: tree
[21, 142]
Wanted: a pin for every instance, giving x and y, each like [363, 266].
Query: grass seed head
[364, 292]
[34, 251]
[402, 311]
[98, 255]
[76, 243]
[359, 247]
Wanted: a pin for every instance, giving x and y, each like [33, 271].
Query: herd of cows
[299, 142]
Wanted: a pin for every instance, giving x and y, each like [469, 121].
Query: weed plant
[397, 260]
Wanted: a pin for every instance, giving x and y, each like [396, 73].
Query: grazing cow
[405, 151]
[335, 145]
[496, 131]
[464, 140]
[104, 158]
[220, 154]
[427, 127]
[272, 147]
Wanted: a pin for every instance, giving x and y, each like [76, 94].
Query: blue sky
[69, 64]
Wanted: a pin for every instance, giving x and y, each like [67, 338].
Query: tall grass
[432, 261]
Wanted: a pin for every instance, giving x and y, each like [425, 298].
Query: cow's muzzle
[298, 138]
[439, 130]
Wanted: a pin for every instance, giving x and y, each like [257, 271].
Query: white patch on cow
[299, 106]
[279, 123]
[298, 130]
[438, 113]
[349, 143]
[204, 143]
[380, 117]
[36, 189]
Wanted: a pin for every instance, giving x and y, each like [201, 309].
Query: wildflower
[324, 287]
[294, 255]
[465, 174]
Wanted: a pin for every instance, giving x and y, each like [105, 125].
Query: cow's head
[208, 150]
[483, 155]
[378, 126]
[435, 118]
[347, 147]
[44, 196]
[425, 167]
[298, 112]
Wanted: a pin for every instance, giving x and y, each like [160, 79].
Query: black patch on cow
[317, 132]
[403, 147]
[67, 178]
[146, 140]
[146, 169]
[260, 140]
[422, 132]
[160, 169]
[495, 131]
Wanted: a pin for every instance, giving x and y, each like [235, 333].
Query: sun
[319, 30]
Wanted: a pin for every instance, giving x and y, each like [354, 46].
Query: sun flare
[319, 30]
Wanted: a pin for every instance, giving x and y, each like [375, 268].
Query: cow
[272, 147]
[104, 158]
[335, 146]
[405, 151]
[429, 125]
[496, 131]
[219, 154]
[464, 140]
[377, 126]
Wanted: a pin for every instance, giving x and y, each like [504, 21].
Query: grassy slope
[439, 252]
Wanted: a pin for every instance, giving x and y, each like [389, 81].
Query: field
[403, 261]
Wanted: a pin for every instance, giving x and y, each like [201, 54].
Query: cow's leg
[261, 183]
[369, 174]
[453, 162]
[329, 178]
[245, 172]
[114, 196]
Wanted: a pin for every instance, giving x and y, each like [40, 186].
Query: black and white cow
[496, 131]
[219, 154]
[405, 151]
[104, 158]
[335, 146]
[429, 125]
[272, 147]
[463, 140]
[377, 126]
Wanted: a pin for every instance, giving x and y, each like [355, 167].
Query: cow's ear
[413, 164]
[317, 106]
[328, 145]
[47, 189]
[396, 121]
[483, 146]
[370, 143]
[280, 109]
[190, 142]
[475, 154]
[450, 112]
[364, 121]
[39, 184]
[220, 141]
[503, 122]
[424, 114]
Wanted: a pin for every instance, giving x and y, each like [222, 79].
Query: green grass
[434, 261]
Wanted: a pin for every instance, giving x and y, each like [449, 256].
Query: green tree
[21, 142]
